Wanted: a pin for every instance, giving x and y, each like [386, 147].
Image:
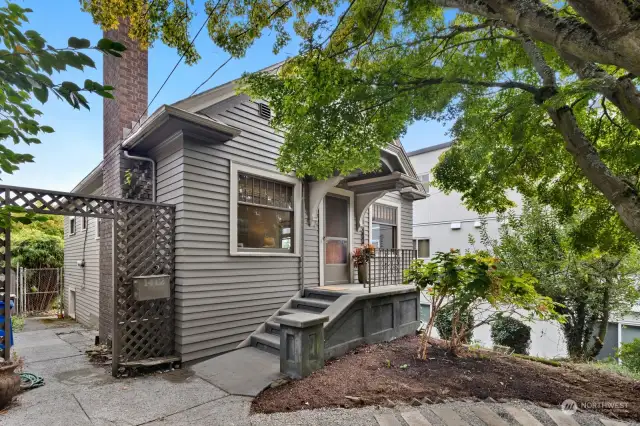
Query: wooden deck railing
[387, 265]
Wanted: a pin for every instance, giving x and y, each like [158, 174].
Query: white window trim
[352, 215]
[97, 229]
[75, 226]
[235, 168]
[418, 249]
[398, 206]
[83, 224]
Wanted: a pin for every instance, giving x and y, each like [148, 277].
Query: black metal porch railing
[387, 265]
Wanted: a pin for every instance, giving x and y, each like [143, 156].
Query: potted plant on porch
[9, 381]
[361, 257]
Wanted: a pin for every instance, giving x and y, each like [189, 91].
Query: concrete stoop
[352, 316]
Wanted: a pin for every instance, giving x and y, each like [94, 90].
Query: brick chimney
[129, 76]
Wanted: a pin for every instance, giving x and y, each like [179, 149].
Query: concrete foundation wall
[371, 318]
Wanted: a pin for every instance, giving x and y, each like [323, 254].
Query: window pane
[336, 252]
[264, 228]
[337, 217]
[384, 214]
[423, 248]
[383, 236]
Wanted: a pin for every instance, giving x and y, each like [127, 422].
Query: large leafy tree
[590, 286]
[27, 64]
[543, 92]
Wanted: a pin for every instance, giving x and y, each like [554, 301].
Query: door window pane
[383, 236]
[336, 252]
[264, 228]
[337, 217]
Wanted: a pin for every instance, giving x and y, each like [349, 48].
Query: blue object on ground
[2, 324]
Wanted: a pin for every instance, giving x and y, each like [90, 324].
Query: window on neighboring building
[265, 215]
[423, 248]
[424, 178]
[384, 226]
[72, 226]
[85, 222]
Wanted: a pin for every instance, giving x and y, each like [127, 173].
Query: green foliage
[613, 366]
[366, 69]
[17, 322]
[588, 285]
[464, 283]
[629, 353]
[38, 250]
[39, 244]
[508, 331]
[27, 63]
[443, 322]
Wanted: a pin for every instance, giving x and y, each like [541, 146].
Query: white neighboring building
[441, 222]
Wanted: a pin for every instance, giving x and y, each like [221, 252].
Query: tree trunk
[603, 326]
[622, 195]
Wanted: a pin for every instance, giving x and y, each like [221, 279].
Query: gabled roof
[430, 149]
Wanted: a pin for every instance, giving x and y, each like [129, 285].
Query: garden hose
[30, 381]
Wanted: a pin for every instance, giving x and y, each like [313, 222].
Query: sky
[68, 155]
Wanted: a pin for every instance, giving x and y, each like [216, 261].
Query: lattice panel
[5, 287]
[52, 202]
[144, 245]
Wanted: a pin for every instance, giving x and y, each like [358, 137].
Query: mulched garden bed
[390, 372]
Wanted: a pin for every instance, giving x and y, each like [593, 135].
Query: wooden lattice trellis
[143, 244]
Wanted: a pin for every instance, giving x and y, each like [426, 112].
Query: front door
[336, 240]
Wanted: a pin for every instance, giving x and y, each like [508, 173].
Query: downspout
[153, 171]
[302, 240]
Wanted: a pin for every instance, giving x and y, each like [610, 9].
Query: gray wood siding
[85, 281]
[221, 299]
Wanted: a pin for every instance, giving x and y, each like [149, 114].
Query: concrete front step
[317, 294]
[267, 342]
[301, 310]
[272, 327]
[316, 305]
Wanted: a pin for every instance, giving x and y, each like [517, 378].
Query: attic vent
[264, 111]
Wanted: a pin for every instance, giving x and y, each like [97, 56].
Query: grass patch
[17, 323]
[551, 362]
[612, 366]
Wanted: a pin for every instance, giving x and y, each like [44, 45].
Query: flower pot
[363, 273]
[9, 383]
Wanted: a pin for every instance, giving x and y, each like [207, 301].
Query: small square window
[72, 226]
[424, 178]
[423, 248]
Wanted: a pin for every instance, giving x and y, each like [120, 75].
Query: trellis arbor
[142, 260]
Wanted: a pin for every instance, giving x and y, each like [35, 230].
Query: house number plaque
[151, 287]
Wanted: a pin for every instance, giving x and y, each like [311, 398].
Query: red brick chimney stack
[129, 77]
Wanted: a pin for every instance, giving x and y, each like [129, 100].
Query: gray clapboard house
[250, 240]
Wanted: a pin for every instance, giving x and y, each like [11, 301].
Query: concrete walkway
[77, 393]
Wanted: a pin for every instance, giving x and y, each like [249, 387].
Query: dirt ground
[391, 371]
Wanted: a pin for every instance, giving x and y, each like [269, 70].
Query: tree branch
[542, 23]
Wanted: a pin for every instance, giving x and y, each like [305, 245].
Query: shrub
[508, 331]
[39, 250]
[443, 319]
[629, 353]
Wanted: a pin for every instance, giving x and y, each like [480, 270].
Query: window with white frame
[85, 222]
[264, 204]
[384, 226]
[423, 247]
[72, 226]
[97, 221]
